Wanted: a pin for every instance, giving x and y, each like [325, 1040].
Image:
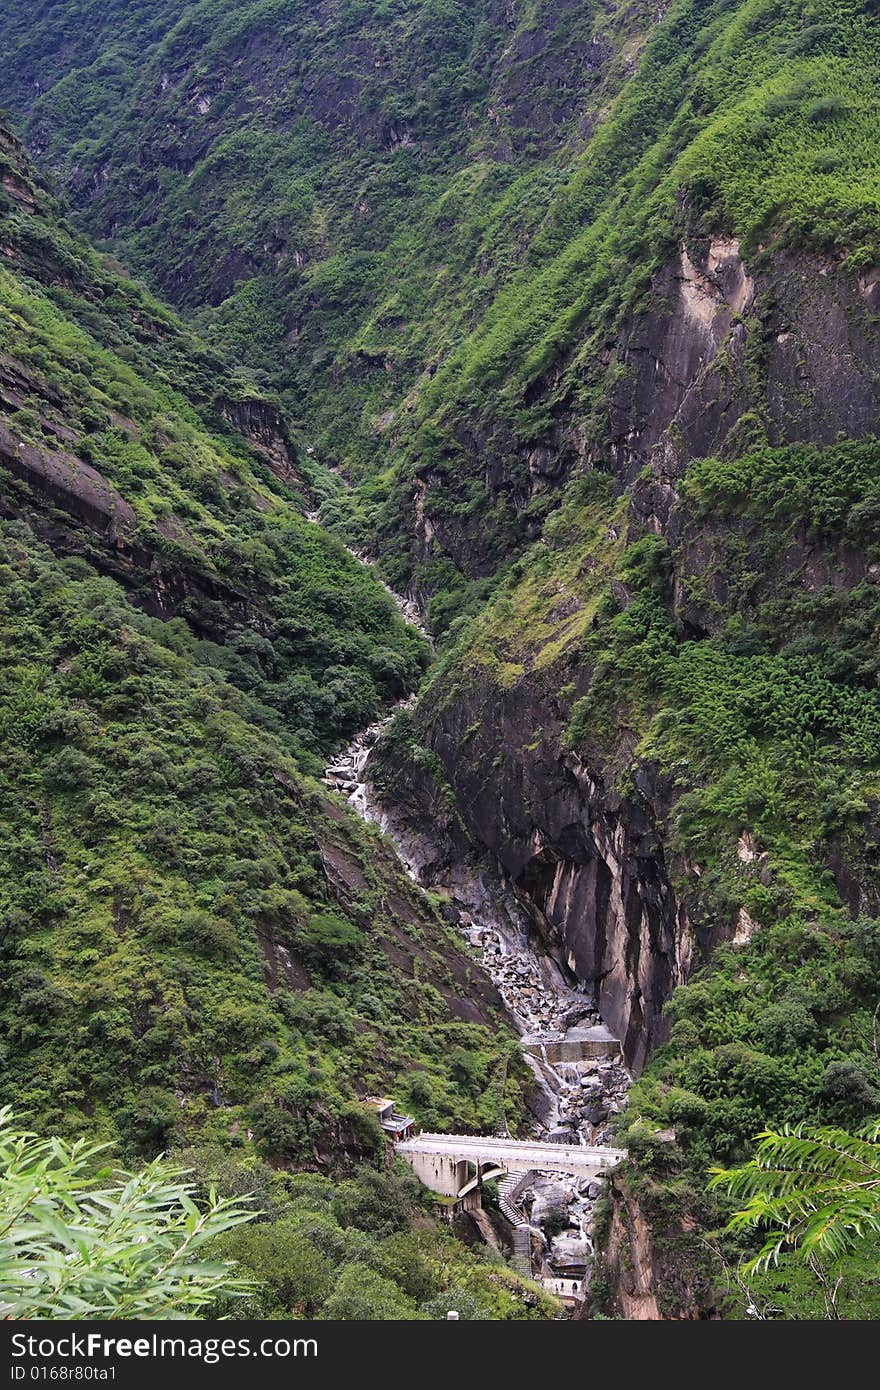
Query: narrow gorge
[580, 1075]
[440, 598]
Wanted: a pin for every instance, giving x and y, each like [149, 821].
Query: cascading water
[581, 1078]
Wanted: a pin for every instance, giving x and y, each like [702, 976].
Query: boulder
[570, 1251]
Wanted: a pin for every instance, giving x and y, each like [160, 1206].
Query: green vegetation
[194, 936]
[368, 1249]
[449, 229]
[816, 1192]
[81, 1240]
[78, 1240]
[430, 240]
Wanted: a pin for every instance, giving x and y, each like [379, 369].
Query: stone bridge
[454, 1164]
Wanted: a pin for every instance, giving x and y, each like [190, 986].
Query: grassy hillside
[199, 941]
[581, 301]
[122, 419]
[445, 214]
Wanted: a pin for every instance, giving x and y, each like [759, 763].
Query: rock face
[71, 483]
[791, 342]
[628, 1258]
[64, 481]
[784, 348]
[576, 1059]
[265, 429]
[587, 866]
[647, 1281]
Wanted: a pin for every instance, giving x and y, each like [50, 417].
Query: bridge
[446, 1162]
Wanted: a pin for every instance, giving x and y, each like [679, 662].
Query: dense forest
[567, 317]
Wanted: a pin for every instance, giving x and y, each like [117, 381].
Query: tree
[329, 943]
[78, 1240]
[362, 1295]
[469, 1309]
[815, 1191]
[295, 1276]
[373, 1201]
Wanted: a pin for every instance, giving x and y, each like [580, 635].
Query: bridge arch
[443, 1162]
[484, 1173]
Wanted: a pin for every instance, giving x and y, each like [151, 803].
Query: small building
[396, 1126]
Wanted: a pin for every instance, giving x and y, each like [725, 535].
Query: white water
[580, 1098]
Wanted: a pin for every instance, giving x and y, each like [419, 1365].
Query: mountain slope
[198, 940]
[458, 219]
[122, 420]
[582, 301]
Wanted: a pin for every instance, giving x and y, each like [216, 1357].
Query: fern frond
[815, 1191]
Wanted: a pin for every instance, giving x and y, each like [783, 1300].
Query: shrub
[362, 1295]
[330, 943]
[69, 770]
[80, 1240]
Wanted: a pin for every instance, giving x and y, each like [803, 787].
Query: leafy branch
[82, 1241]
[815, 1191]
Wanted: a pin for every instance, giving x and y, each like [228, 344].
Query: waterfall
[580, 1095]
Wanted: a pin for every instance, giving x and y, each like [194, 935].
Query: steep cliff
[647, 1271]
[201, 946]
[586, 861]
[582, 302]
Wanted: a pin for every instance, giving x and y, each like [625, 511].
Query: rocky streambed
[582, 1081]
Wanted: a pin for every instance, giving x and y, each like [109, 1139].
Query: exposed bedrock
[780, 347]
[265, 429]
[786, 347]
[587, 864]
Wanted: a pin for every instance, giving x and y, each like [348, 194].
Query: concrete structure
[455, 1164]
[571, 1291]
[576, 1045]
[510, 1189]
[395, 1126]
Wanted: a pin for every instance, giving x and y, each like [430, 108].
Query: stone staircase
[509, 1189]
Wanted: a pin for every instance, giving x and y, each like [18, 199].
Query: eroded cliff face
[788, 348]
[782, 349]
[777, 349]
[645, 1279]
[587, 863]
[70, 503]
[265, 429]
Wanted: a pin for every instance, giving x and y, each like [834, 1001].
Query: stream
[582, 1081]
